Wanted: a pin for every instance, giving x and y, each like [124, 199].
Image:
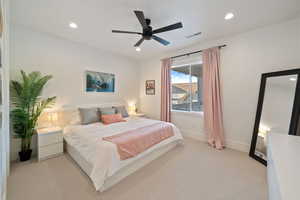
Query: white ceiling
[96, 19]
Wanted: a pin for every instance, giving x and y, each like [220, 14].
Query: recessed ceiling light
[73, 25]
[293, 79]
[138, 49]
[229, 16]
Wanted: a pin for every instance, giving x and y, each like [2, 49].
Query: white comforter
[103, 155]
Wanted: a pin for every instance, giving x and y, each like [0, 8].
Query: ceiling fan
[148, 33]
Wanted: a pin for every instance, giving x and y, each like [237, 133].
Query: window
[186, 81]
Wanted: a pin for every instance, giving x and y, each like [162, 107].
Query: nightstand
[50, 142]
[138, 115]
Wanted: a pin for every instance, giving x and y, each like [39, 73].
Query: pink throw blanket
[136, 141]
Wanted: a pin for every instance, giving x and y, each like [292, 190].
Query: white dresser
[50, 142]
[283, 167]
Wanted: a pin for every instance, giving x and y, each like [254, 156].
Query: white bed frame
[125, 171]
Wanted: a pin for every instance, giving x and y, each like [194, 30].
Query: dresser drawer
[50, 150]
[47, 139]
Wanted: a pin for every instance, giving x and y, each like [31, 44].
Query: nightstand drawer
[48, 139]
[50, 150]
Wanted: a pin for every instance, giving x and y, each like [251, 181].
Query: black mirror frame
[295, 113]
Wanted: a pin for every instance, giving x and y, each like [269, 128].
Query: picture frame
[150, 87]
[99, 82]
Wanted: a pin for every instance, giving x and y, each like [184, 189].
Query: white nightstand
[50, 142]
[138, 115]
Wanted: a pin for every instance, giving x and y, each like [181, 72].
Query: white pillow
[74, 117]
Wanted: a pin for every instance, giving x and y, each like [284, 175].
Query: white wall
[247, 55]
[67, 62]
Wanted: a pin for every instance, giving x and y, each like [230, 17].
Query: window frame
[189, 64]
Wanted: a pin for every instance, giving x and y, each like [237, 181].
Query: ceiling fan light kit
[148, 32]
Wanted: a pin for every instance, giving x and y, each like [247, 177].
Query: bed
[100, 159]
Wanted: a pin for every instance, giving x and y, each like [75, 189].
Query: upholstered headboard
[69, 114]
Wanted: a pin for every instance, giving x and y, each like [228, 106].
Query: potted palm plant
[28, 106]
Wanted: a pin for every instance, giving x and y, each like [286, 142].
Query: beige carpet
[192, 172]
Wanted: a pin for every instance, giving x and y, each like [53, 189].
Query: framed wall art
[150, 87]
[99, 82]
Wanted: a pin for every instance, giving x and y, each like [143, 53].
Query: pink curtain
[165, 112]
[213, 116]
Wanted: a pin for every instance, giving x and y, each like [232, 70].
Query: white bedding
[103, 155]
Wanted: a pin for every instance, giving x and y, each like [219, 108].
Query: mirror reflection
[277, 109]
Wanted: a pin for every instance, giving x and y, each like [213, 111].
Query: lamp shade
[131, 108]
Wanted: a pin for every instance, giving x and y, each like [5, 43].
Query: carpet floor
[192, 172]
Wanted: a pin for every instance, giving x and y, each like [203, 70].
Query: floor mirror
[277, 110]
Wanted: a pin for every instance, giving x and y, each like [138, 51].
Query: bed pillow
[113, 118]
[74, 117]
[89, 115]
[122, 110]
[107, 111]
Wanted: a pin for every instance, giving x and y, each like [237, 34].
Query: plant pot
[25, 155]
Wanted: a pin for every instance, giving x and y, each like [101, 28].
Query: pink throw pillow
[109, 119]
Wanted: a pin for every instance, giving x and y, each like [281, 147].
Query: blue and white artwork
[100, 82]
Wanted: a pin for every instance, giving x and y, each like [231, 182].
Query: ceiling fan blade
[160, 40]
[168, 28]
[129, 32]
[141, 18]
[139, 42]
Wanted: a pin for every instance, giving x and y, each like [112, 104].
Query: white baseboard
[243, 147]
[188, 134]
[231, 144]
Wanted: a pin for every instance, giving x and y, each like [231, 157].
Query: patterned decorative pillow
[122, 110]
[113, 118]
[89, 115]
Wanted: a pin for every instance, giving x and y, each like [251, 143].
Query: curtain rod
[187, 54]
